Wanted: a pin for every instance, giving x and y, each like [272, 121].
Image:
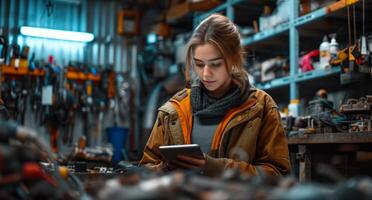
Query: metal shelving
[312, 16]
[266, 34]
[315, 74]
[276, 83]
[295, 22]
[225, 6]
[303, 77]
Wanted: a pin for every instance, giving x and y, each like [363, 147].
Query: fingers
[182, 165]
[192, 160]
[187, 162]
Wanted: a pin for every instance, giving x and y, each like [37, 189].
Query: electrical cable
[349, 25]
[354, 24]
[363, 17]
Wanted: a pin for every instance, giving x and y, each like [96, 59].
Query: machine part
[154, 188]
[305, 165]
[319, 105]
[23, 176]
[273, 68]
[355, 106]
[362, 125]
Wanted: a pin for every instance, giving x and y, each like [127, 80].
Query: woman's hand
[188, 162]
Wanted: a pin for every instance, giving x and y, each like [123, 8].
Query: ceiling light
[57, 34]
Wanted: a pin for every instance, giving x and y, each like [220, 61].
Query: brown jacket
[249, 137]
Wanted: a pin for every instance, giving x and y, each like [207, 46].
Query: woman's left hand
[188, 162]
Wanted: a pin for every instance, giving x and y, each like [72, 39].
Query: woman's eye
[200, 65]
[215, 64]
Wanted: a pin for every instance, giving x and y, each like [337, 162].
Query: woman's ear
[234, 69]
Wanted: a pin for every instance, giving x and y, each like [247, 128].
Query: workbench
[308, 144]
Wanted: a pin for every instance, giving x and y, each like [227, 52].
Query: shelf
[327, 138]
[322, 12]
[21, 71]
[314, 15]
[82, 76]
[317, 14]
[312, 75]
[217, 9]
[275, 83]
[266, 34]
[315, 74]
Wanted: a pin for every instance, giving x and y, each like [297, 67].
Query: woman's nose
[207, 71]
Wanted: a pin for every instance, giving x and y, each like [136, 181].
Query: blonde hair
[219, 31]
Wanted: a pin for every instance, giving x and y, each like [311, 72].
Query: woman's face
[211, 69]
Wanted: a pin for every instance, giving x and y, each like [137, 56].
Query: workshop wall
[107, 50]
[97, 17]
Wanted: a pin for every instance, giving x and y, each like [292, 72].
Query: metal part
[304, 163]
[355, 106]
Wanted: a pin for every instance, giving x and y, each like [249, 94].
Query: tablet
[170, 152]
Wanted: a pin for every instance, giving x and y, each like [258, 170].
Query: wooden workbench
[327, 142]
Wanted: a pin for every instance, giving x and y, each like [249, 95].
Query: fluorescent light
[57, 34]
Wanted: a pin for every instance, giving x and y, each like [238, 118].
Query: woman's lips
[208, 82]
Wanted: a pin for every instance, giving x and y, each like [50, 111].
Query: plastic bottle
[333, 48]
[324, 54]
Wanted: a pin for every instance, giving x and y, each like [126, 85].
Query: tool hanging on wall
[26, 81]
[23, 99]
[64, 108]
[14, 55]
[3, 53]
[14, 91]
[363, 41]
[356, 66]
[3, 47]
[48, 103]
[36, 95]
[99, 108]
[87, 102]
[10, 87]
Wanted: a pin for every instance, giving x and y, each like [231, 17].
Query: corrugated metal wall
[94, 16]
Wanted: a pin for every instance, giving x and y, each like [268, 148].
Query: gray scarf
[204, 105]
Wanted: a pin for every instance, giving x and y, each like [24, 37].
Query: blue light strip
[57, 34]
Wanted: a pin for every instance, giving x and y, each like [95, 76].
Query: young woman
[236, 125]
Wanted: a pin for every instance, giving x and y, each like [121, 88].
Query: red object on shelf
[306, 61]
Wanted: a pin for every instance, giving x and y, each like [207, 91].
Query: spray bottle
[333, 48]
[324, 54]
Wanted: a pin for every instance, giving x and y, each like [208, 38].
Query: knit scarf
[204, 105]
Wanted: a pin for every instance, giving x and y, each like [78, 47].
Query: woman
[236, 125]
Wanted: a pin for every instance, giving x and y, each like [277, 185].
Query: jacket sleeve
[272, 146]
[272, 157]
[151, 156]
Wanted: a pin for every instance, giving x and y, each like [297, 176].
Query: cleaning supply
[324, 54]
[333, 48]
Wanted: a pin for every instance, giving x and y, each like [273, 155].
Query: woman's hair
[219, 31]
